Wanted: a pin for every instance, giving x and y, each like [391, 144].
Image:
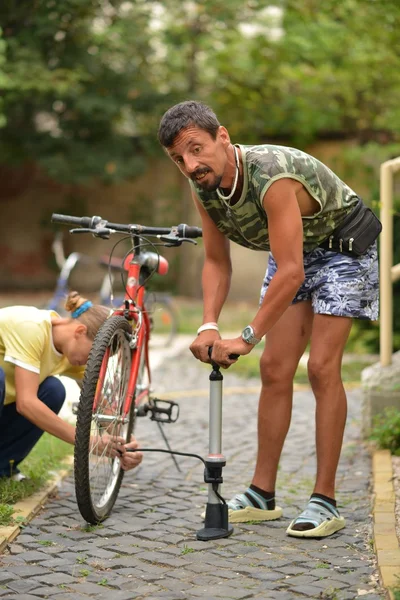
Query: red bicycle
[116, 386]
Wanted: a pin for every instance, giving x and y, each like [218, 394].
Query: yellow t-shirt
[26, 341]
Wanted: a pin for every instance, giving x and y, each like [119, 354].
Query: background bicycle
[160, 305]
[116, 389]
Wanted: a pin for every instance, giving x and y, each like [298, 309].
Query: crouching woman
[36, 345]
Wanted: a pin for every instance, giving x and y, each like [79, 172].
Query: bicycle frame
[134, 310]
[115, 383]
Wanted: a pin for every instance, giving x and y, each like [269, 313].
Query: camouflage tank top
[246, 221]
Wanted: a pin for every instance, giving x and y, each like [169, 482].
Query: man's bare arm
[217, 269]
[286, 241]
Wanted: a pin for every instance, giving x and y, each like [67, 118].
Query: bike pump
[216, 523]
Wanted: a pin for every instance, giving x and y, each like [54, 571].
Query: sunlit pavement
[147, 548]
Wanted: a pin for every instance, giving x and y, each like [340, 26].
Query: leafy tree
[84, 82]
[77, 96]
[333, 70]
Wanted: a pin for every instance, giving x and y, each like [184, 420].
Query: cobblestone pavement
[147, 549]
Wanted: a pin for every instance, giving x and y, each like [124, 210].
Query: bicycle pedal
[163, 411]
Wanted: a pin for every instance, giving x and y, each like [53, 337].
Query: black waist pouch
[356, 233]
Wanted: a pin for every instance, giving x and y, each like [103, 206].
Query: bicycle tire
[164, 320]
[98, 478]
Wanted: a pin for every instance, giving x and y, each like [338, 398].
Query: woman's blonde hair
[93, 316]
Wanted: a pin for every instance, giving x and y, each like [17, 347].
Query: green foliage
[326, 72]
[362, 164]
[76, 75]
[6, 515]
[386, 430]
[249, 367]
[46, 456]
[87, 81]
[187, 550]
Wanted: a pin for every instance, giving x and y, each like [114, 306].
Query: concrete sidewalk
[147, 549]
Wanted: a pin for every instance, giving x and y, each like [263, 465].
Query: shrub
[386, 430]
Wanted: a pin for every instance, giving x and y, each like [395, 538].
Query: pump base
[216, 523]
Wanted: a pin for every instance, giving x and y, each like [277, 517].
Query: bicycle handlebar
[97, 223]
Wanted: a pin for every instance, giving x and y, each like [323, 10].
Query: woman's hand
[199, 347]
[116, 447]
[108, 445]
[130, 460]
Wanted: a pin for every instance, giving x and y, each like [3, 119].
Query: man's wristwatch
[249, 336]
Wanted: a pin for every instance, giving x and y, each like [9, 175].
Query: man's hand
[199, 347]
[130, 460]
[222, 349]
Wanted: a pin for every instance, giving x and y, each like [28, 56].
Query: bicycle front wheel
[101, 417]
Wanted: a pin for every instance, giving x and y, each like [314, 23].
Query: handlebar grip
[231, 356]
[69, 220]
[189, 231]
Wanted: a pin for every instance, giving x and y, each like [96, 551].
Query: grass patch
[248, 367]
[46, 457]
[6, 514]
[234, 316]
[187, 550]
[386, 430]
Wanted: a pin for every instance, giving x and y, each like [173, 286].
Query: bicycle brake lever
[171, 240]
[101, 232]
[189, 240]
[81, 230]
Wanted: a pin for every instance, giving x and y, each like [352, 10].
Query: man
[279, 199]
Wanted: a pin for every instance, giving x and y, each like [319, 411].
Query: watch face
[249, 336]
[247, 333]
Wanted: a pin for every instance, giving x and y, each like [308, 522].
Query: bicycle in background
[160, 305]
[116, 388]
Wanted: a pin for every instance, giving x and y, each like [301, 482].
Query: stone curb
[29, 507]
[386, 544]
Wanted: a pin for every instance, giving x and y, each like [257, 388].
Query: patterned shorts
[337, 284]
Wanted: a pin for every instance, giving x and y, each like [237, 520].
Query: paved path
[148, 550]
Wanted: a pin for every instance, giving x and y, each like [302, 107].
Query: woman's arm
[33, 409]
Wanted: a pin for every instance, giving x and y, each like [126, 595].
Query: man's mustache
[198, 172]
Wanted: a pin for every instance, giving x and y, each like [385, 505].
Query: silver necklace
[233, 190]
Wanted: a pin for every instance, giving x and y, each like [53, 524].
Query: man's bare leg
[328, 339]
[285, 344]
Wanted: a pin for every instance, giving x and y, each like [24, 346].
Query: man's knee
[276, 370]
[52, 393]
[321, 371]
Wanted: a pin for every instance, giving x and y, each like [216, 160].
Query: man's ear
[224, 135]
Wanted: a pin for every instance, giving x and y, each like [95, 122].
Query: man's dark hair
[186, 114]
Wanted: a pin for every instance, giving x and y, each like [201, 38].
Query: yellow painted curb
[27, 508]
[385, 539]
[204, 393]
